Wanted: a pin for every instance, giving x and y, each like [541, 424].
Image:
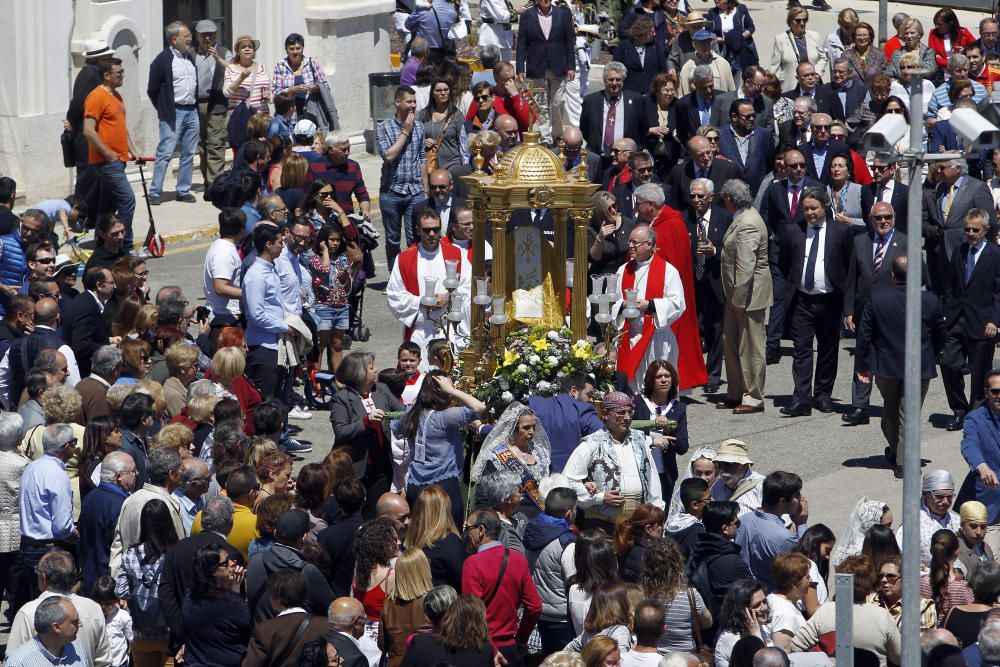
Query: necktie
[609, 125]
[970, 262]
[881, 193]
[795, 200]
[699, 259]
[809, 281]
[947, 202]
[879, 253]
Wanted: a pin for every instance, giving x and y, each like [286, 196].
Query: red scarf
[629, 357]
[446, 241]
[407, 262]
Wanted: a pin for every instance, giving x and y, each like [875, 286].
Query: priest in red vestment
[674, 245]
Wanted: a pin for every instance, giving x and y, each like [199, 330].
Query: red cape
[674, 245]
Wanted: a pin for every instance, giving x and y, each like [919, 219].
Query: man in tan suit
[746, 285]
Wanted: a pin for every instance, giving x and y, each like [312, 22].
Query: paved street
[838, 463]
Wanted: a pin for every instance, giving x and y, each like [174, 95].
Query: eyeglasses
[800, 21]
[974, 230]
[819, 128]
[713, 138]
[44, 260]
[795, 165]
[323, 194]
[644, 170]
[881, 167]
[891, 578]
[747, 116]
[894, 110]
[142, 275]
[942, 496]
[466, 528]
[442, 186]
[300, 238]
[887, 216]
[431, 230]
[636, 244]
[623, 413]
[483, 98]
[698, 195]
[994, 391]
[144, 358]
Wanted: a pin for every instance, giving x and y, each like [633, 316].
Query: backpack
[144, 604]
[699, 579]
[217, 193]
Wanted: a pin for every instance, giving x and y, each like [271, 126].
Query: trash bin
[381, 94]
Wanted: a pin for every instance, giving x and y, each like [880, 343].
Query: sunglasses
[644, 170]
[891, 578]
[44, 260]
[821, 127]
[747, 116]
[483, 98]
[974, 230]
[800, 21]
[894, 110]
[883, 217]
[942, 496]
[994, 391]
[881, 167]
[431, 230]
[795, 165]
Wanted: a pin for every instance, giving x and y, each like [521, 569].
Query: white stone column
[350, 38]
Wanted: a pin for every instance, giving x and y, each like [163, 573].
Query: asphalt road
[838, 463]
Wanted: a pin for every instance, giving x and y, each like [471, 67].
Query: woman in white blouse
[790, 572]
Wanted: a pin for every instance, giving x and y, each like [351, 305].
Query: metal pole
[911, 386]
[845, 620]
[883, 22]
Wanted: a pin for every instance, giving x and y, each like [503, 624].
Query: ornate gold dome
[530, 162]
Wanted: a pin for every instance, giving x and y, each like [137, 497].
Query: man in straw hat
[612, 470]
[682, 49]
[937, 493]
[972, 547]
[738, 482]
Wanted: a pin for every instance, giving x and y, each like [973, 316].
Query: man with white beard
[660, 302]
[407, 284]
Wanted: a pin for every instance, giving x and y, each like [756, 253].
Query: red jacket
[891, 46]
[248, 397]
[935, 42]
[479, 576]
[861, 173]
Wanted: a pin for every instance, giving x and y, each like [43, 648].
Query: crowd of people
[155, 507]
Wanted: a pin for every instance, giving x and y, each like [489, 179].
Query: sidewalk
[177, 222]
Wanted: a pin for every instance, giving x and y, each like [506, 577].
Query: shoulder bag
[496, 587]
[705, 653]
[287, 651]
[448, 45]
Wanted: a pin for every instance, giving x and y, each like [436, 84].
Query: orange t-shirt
[108, 109]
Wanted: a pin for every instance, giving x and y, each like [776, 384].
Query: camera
[201, 313]
[977, 132]
[886, 133]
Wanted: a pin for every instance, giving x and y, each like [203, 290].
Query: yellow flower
[510, 357]
[540, 345]
[581, 353]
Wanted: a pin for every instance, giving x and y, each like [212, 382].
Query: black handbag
[68, 149]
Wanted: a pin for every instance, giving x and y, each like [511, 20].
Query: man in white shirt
[223, 269]
[173, 90]
[418, 265]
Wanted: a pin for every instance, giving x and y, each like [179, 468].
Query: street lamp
[978, 133]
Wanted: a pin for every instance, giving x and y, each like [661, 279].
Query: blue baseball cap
[702, 35]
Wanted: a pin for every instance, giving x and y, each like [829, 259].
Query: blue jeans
[185, 132]
[114, 179]
[397, 210]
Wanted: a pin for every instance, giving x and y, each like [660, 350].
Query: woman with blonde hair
[257, 448]
[433, 530]
[177, 436]
[601, 652]
[403, 612]
[796, 45]
[201, 411]
[563, 659]
[228, 365]
[607, 234]
[182, 365]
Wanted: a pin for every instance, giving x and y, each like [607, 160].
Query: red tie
[609, 126]
[795, 199]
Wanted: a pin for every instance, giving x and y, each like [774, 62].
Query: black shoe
[822, 5]
[797, 410]
[772, 358]
[856, 417]
[187, 198]
[792, 4]
[897, 472]
[956, 423]
[154, 201]
[711, 388]
[890, 456]
[824, 405]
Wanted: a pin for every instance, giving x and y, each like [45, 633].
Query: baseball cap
[702, 35]
[304, 128]
[292, 524]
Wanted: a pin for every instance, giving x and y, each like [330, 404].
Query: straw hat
[733, 451]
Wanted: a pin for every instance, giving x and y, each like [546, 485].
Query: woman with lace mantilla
[517, 443]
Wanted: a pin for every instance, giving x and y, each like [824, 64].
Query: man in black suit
[695, 109]
[814, 262]
[845, 93]
[808, 86]
[347, 625]
[84, 329]
[701, 164]
[641, 165]
[880, 344]
[780, 209]
[754, 80]
[871, 260]
[178, 569]
[442, 200]
[547, 56]
[819, 151]
[612, 114]
[972, 311]
[884, 188]
[707, 224]
[798, 130]
[574, 152]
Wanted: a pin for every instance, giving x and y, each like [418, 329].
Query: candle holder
[631, 310]
[451, 281]
[455, 315]
[428, 300]
[482, 297]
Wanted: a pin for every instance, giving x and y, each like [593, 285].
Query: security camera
[977, 131]
[886, 133]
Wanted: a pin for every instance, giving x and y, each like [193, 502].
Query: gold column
[578, 307]
[559, 275]
[498, 218]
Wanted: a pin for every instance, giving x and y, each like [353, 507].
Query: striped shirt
[404, 175]
[255, 89]
[34, 654]
[939, 100]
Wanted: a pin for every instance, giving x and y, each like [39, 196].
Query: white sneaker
[299, 413]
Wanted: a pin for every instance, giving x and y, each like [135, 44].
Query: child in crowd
[439, 355]
[408, 359]
[117, 618]
[332, 280]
